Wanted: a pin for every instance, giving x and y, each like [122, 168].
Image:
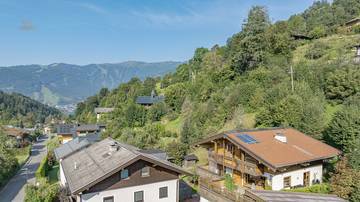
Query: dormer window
[124, 174]
[145, 171]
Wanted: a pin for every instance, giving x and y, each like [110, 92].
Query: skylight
[248, 139]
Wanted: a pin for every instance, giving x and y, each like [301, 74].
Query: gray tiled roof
[87, 127]
[65, 129]
[75, 145]
[156, 152]
[149, 99]
[277, 196]
[91, 164]
[103, 110]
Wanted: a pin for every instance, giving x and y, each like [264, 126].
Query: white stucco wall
[62, 176]
[297, 177]
[151, 193]
[202, 199]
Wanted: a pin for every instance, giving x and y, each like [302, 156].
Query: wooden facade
[226, 158]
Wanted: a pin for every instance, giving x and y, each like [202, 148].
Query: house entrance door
[306, 179]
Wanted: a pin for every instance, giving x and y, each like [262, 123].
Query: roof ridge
[254, 130]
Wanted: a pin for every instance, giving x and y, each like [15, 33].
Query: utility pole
[292, 78]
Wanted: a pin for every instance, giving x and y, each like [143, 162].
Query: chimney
[114, 147]
[281, 137]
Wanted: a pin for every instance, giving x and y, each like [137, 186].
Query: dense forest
[22, 111]
[265, 76]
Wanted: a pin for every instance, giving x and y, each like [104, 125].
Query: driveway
[15, 188]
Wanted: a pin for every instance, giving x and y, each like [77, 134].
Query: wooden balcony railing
[242, 166]
[207, 185]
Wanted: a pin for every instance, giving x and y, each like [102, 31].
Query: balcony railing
[242, 166]
[207, 186]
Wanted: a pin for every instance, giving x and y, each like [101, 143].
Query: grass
[202, 154]
[53, 174]
[337, 44]
[22, 154]
[175, 125]
[330, 111]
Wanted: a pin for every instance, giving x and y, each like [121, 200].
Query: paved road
[15, 189]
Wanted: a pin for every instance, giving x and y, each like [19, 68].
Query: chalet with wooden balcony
[275, 158]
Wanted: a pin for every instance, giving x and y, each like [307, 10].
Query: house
[149, 100]
[84, 129]
[109, 171]
[75, 145]
[21, 136]
[190, 160]
[272, 196]
[275, 158]
[65, 132]
[47, 130]
[353, 22]
[102, 110]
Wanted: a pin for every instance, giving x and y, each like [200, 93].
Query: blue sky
[83, 32]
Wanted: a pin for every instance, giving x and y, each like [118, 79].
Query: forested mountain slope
[247, 83]
[19, 110]
[67, 84]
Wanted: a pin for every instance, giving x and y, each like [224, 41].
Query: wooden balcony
[231, 162]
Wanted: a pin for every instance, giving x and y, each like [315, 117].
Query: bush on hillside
[316, 50]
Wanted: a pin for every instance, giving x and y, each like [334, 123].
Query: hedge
[43, 167]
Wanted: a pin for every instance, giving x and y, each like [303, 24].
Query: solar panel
[246, 138]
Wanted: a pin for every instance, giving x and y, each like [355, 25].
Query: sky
[103, 31]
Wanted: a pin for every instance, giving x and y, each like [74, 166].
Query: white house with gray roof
[110, 171]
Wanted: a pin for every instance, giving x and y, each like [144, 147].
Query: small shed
[190, 160]
[353, 22]
[149, 100]
[102, 110]
[21, 136]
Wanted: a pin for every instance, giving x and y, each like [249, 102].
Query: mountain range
[63, 84]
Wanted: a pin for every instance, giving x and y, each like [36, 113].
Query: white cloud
[93, 8]
[27, 25]
[193, 14]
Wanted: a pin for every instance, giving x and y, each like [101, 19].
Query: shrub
[323, 188]
[356, 29]
[316, 51]
[42, 193]
[229, 182]
[43, 167]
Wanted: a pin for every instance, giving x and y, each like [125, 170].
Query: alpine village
[272, 115]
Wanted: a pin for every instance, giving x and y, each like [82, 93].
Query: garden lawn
[22, 154]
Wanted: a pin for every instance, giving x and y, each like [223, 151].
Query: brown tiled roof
[15, 132]
[298, 149]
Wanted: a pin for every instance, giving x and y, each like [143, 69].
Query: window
[139, 196]
[108, 199]
[124, 174]
[163, 192]
[145, 171]
[287, 182]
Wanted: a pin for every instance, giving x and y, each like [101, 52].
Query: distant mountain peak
[62, 83]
